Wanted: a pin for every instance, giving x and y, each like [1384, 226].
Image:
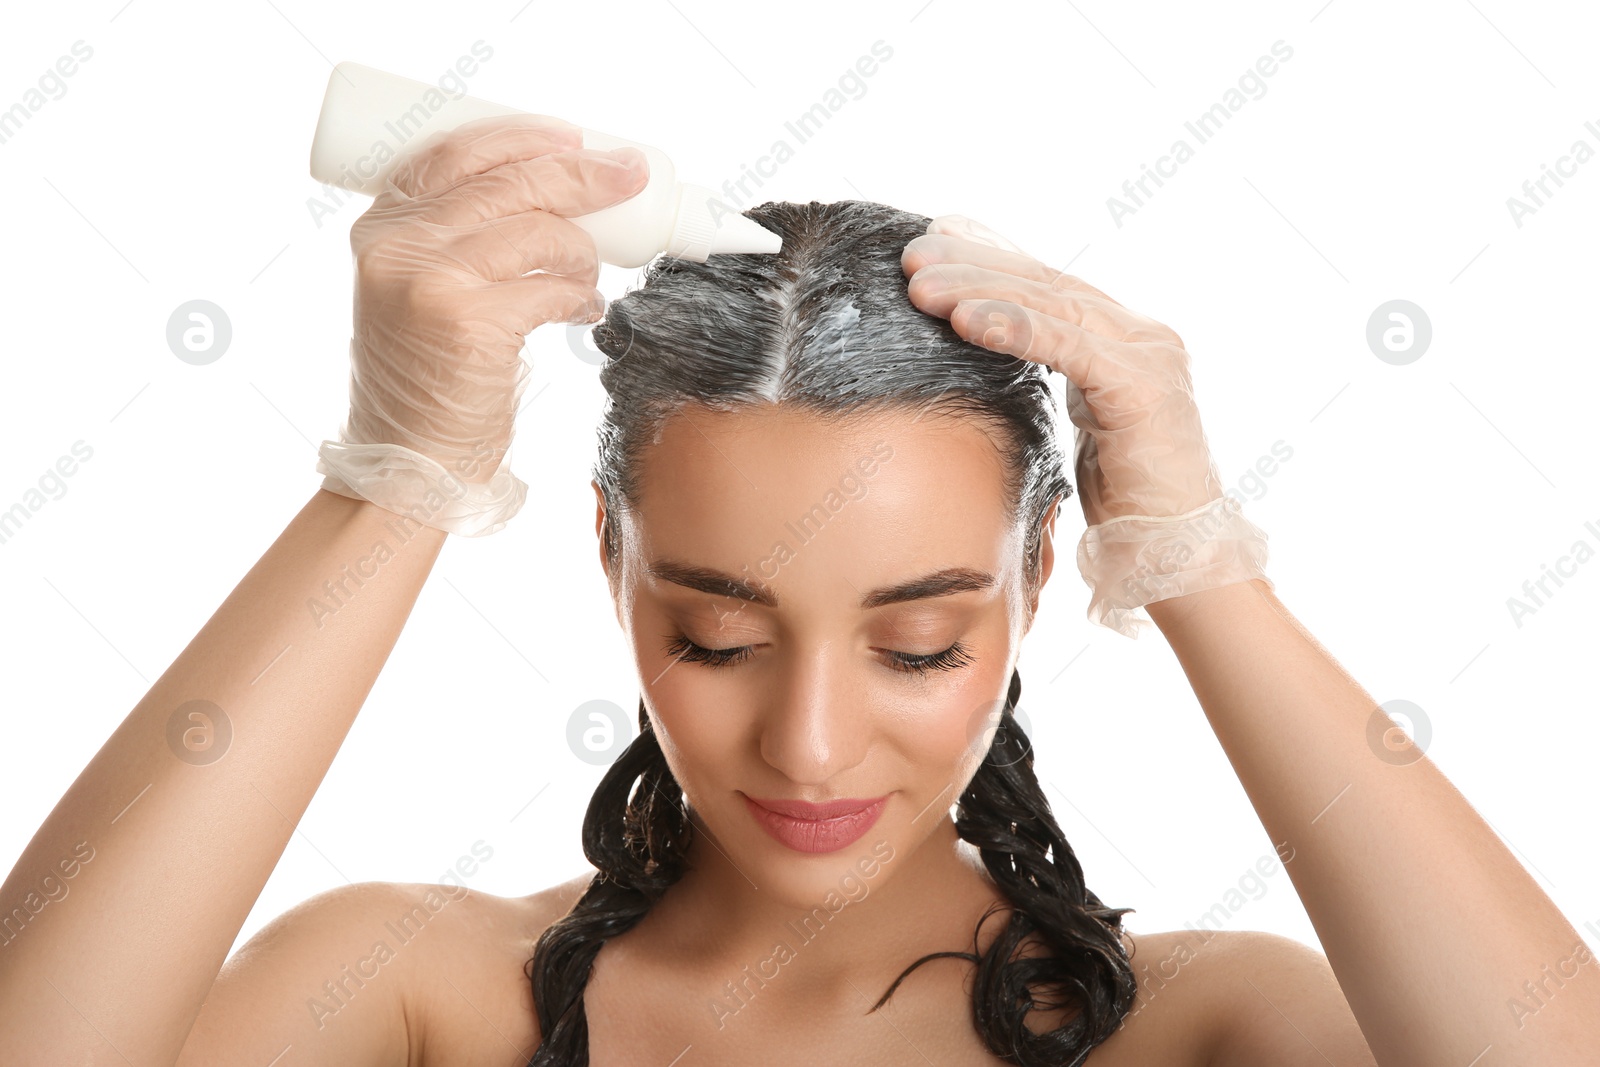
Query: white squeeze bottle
[371, 118]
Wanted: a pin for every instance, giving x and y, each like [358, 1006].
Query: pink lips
[807, 827]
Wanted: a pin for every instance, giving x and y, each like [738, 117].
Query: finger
[524, 303]
[506, 248]
[974, 231]
[1119, 382]
[1012, 329]
[939, 287]
[567, 183]
[947, 248]
[448, 156]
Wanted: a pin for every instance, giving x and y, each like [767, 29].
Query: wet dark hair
[825, 326]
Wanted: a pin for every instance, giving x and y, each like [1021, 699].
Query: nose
[815, 726]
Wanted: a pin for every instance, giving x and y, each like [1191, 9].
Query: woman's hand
[443, 300]
[1159, 524]
[1140, 446]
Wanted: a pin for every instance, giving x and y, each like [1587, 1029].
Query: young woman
[826, 499]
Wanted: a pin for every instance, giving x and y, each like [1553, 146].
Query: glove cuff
[1134, 560]
[408, 483]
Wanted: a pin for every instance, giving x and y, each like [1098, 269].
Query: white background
[1376, 166]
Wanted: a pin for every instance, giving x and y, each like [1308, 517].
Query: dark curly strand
[826, 326]
[1005, 814]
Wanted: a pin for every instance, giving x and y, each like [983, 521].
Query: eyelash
[952, 658]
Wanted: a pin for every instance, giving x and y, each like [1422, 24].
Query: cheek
[947, 739]
[695, 740]
[686, 722]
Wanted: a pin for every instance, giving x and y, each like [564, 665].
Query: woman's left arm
[1447, 951]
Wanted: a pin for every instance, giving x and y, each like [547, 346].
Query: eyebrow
[718, 583]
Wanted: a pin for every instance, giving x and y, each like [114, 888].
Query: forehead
[801, 501]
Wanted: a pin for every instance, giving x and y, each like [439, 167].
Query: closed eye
[952, 658]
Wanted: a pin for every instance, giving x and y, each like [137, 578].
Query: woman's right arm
[112, 964]
[117, 919]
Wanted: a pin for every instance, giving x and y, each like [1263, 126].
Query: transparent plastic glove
[1159, 523]
[442, 306]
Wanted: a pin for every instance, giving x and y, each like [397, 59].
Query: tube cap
[706, 226]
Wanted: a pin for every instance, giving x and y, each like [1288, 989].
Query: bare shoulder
[1242, 997]
[328, 978]
[472, 999]
[383, 974]
[1283, 1006]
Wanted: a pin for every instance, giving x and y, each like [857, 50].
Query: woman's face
[842, 677]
